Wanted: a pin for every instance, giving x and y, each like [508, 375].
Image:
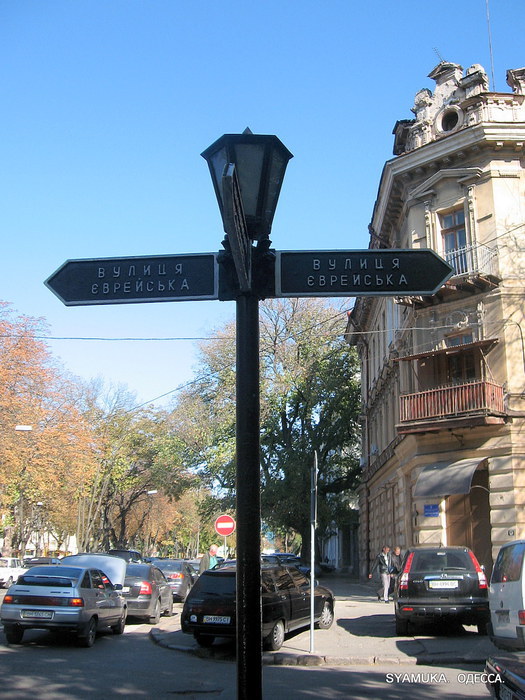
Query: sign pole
[249, 626]
[313, 525]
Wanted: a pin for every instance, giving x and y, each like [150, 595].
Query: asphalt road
[132, 666]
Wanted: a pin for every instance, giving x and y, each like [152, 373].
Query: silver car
[80, 595]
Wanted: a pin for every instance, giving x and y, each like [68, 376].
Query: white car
[10, 569]
[81, 594]
[507, 597]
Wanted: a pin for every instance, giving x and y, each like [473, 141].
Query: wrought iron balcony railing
[485, 397]
[473, 259]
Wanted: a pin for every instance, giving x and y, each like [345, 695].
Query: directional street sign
[134, 280]
[340, 273]
[225, 525]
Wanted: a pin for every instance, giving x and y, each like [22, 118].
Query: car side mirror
[117, 586]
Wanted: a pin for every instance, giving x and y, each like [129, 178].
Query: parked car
[78, 596]
[41, 561]
[147, 592]
[179, 575]
[209, 610]
[10, 569]
[505, 676]
[441, 583]
[507, 597]
[194, 565]
[129, 555]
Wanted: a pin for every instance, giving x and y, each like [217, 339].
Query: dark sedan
[179, 574]
[147, 592]
[210, 611]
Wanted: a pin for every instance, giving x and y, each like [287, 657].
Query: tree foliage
[40, 468]
[309, 405]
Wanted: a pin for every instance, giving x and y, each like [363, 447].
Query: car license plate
[39, 614]
[503, 616]
[447, 585]
[217, 619]
[125, 589]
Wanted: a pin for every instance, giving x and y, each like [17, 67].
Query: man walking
[209, 560]
[383, 564]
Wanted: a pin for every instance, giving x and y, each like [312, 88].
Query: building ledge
[452, 423]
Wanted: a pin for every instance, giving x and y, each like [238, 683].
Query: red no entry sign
[225, 525]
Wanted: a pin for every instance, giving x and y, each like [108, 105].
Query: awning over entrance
[485, 345]
[446, 478]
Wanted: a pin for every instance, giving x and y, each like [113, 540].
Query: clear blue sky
[107, 104]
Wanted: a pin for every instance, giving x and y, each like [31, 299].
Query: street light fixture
[247, 171]
[260, 162]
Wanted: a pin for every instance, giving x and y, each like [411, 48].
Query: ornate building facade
[443, 377]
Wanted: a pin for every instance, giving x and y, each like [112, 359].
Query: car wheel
[401, 626]
[169, 610]
[87, 639]
[327, 617]
[121, 624]
[275, 639]
[13, 634]
[204, 640]
[154, 619]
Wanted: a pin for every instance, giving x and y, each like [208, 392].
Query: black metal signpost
[247, 172]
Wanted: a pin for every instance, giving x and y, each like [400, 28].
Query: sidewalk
[363, 633]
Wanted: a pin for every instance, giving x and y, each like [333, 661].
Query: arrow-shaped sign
[133, 280]
[339, 273]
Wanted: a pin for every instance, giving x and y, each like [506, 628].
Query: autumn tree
[40, 467]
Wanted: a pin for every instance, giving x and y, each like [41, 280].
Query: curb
[286, 659]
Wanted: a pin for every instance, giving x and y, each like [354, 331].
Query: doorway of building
[468, 520]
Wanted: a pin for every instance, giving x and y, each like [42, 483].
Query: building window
[454, 236]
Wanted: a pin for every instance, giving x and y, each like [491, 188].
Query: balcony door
[454, 237]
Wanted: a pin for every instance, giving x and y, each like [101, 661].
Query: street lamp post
[247, 172]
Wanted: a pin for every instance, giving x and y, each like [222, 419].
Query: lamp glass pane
[218, 162]
[249, 159]
[275, 180]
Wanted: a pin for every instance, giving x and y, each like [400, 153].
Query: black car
[147, 592]
[209, 610]
[179, 574]
[441, 583]
[505, 676]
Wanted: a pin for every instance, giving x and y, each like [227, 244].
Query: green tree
[310, 401]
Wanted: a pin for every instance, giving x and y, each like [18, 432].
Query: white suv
[10, 569]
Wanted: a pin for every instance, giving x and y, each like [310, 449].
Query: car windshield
[63, 577]
[3, 562]
[441, 561]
